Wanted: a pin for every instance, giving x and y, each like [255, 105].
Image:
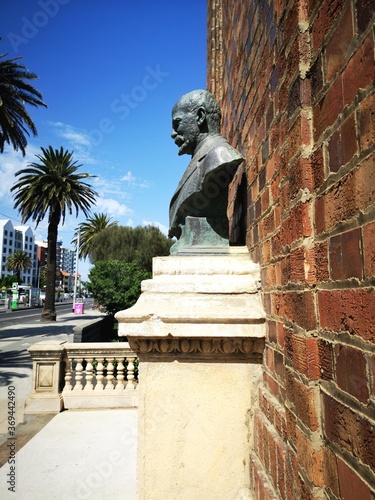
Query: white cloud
[161, 226]
[78, 140]
[112, 207]
[129, 177]
[10, 163]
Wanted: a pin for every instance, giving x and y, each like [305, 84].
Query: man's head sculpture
[203, 189]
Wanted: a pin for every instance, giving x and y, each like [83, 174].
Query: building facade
[14, 238]
[65, 264]
[295, 81]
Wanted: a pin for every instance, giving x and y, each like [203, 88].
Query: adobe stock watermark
[102, 471]
[125, 103]
[32, 25]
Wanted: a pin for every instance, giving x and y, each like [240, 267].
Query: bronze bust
[203, 189]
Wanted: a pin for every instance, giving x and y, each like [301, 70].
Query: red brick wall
[295, 80]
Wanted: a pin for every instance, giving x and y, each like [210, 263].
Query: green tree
[116, 285]
[138, 245]
[17, 261]
[54, 187]
[89, 230]
[15, 92]
[7, 281]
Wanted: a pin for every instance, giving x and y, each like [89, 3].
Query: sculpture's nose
[173, 134]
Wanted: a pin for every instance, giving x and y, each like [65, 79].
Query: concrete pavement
[77, 455]
[72, 455]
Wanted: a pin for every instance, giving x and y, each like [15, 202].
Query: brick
[304, 400]
[272, 384]
[346, 198]
[269, 357]
[311, 459]
[299, 308]
[281, 453]
[325, 359]
[359, 73]
[373, 374]
[326, 112]
[345, 251]
[351, 374]
[349, 430]
[342, 145]
[317, 76]
[280, 332]
[365, 10]
[279, 365]
[271, 331]
[321, 262]
[291, 475]
[338, 45]
[351, 485]
[367, 122]
[305, 356]
[350, 310]
[324, 21]
[303, 266]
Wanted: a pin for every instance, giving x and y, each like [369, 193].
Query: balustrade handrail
[89, 375]
[99, 348]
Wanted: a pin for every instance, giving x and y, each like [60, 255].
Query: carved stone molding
[215, 349]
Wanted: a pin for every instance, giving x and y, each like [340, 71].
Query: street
[18, 331]
[29, 315]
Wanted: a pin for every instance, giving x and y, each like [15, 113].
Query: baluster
[109, 384]
[89, 375]
[68, 374]
[120, 386]
[130, 373]
[78, 375]
[99, 375]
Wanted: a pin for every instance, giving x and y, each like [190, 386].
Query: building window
[5, 241]
[26, 238]
[11, 234]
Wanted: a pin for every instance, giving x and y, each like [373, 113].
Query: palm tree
[17, 261]
[52, 186]
[88, 230]
[15, 91]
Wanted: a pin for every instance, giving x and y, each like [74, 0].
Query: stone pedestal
[198, 329]
[47, 380]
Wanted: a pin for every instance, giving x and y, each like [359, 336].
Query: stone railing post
[198, 330]
[47, 378]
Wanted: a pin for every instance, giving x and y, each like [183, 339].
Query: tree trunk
[49, 310]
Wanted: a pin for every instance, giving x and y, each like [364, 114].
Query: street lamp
[76, 272]
[39, 269]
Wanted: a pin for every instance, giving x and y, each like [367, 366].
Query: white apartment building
[14, 238]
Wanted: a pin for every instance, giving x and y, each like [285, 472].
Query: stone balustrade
[82, 376]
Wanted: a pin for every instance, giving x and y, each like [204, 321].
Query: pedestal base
[198, 329]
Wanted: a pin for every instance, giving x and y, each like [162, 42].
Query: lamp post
[39, 269]
[76, 272]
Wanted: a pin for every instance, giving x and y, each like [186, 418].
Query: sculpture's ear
[201, 115]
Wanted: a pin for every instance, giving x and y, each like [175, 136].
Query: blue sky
[110, 72]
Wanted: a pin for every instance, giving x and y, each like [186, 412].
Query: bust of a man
[203, 189]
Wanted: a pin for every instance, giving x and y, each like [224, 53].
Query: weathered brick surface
[351, 485]
[345, 252]
[352, 432]
[349, 311]
[351, 372]
[295, 81]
